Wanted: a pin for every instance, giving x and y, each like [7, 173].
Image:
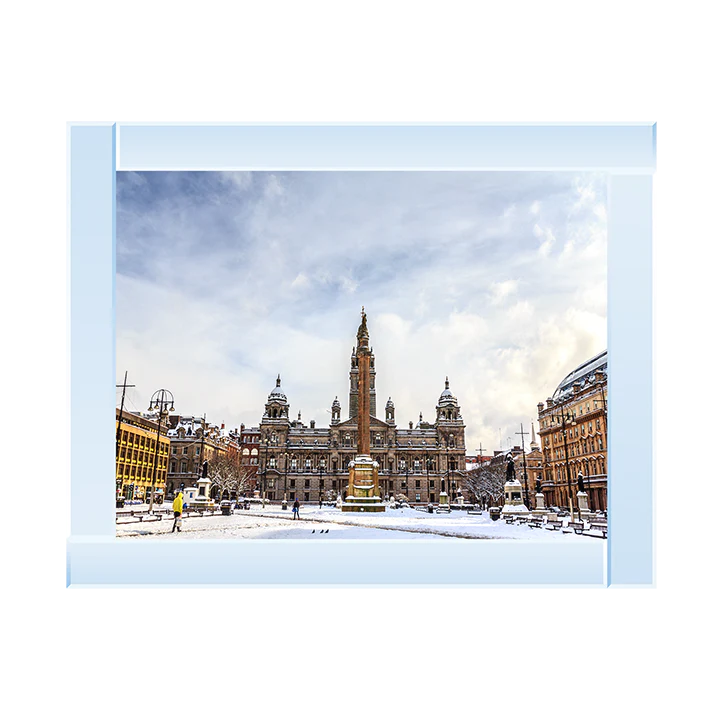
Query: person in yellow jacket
[177, 511]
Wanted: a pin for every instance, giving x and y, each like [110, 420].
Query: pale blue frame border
[626, 151]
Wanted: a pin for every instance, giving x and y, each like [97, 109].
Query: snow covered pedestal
[513, 499]
[443, 499]
[583, 505]
[363, 494]
[540, 509]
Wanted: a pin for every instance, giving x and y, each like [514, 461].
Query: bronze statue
[580, 482]
[510, 467]
[538, 484]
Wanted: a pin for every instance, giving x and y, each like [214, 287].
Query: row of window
[130, 471]
[350, 441]
[140, 441]
[589, 467]
[417, 465]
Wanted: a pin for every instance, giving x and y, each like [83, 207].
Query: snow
[406, 523]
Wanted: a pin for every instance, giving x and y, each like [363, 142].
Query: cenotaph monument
[363, 494]
[514, 505]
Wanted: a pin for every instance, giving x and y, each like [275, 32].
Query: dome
[583, 374]
[277, 393]
[446, 397]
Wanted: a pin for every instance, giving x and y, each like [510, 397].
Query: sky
[226, 279]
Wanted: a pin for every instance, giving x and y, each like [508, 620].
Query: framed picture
[361, 354]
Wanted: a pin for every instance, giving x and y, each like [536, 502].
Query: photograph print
[361, 355]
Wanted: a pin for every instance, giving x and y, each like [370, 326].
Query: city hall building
[310, 463]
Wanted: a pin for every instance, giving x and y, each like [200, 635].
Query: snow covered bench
[553, 525]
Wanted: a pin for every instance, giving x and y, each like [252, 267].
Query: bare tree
[486, 483]
[229, 475]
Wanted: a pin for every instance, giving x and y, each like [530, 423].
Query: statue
[204, 474]
[538, 484]
[580, 482]
[510, 475]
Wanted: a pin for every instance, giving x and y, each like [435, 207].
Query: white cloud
[224, 283]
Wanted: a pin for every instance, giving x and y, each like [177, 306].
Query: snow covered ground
[407, 523]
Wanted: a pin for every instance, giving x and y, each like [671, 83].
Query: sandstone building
[573, 435]
[311, 463]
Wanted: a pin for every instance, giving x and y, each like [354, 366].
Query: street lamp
[263, 474]
[162, 400]
[429, 462]
[321, 477]
[564, 419]
[286, 456]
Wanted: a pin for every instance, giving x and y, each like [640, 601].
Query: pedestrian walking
[296, 509]
[177, 511]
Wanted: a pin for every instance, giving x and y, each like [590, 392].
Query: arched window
[293, 464]
[272, 463]
[274, 414]
[451, 440]
[246, 452]
[417, 464]
[347, 440]
[307, 463]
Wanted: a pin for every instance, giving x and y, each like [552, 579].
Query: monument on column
[540, 509]
[514, 505]
[363, 493]
[582, 499]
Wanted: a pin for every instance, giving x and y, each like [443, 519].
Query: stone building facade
[194, 441]
[136, 455]
[573, 435]
[311, 463]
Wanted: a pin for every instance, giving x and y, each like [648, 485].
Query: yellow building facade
[136, 455]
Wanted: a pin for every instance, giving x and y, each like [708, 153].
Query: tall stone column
[363, 495]
[363, 355]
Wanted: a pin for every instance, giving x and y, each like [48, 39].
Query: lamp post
[429, 462]
[406, 474]
[162, 400]
[263, 474]
[321, 478]
[286, 469]
[522, 433]
[563, 419]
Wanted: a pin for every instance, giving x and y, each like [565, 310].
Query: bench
[443, 510]
[509, 520]
[474, 512]
[534, 523]
[554, 525]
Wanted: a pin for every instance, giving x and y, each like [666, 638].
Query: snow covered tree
[228, 476]
[486, 483]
